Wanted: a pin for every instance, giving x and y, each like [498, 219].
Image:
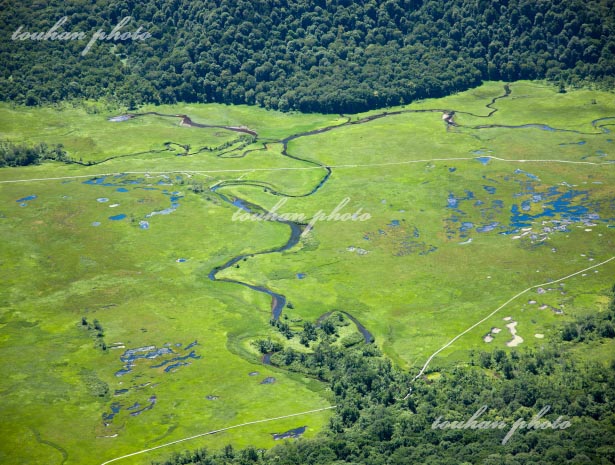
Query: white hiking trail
[215, 431]
[448, 344]
[303, 168]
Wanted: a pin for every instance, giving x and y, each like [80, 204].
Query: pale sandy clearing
[516, 340]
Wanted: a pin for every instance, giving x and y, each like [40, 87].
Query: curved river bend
[278, 301]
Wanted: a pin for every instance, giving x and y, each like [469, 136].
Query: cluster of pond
[170, 358]
[122, 184]
[547, 209]
[402, 238]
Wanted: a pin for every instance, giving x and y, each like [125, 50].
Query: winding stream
[278, 301]
[367, 336]
[186, 121]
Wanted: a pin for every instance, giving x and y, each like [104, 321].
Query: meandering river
[278, 301]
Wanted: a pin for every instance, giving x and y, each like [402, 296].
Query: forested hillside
[326, 55]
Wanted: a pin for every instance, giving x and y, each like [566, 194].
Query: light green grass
[129, 280]
[55, 267]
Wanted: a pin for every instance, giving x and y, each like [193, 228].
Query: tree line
[12, 154]
[320, 56]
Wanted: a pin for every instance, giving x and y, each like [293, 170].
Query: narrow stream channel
[278, 301]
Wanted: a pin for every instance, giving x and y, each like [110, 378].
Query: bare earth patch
[516, 340]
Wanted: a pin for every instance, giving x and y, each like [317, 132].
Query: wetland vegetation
[464, 215]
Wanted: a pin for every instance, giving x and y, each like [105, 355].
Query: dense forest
[12, 154]
[375, 423]
[323, 55]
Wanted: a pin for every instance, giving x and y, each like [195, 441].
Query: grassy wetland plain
[114, 338]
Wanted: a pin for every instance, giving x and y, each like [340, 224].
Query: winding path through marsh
[452, 341]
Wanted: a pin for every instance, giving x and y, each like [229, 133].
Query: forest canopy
[325, 55]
